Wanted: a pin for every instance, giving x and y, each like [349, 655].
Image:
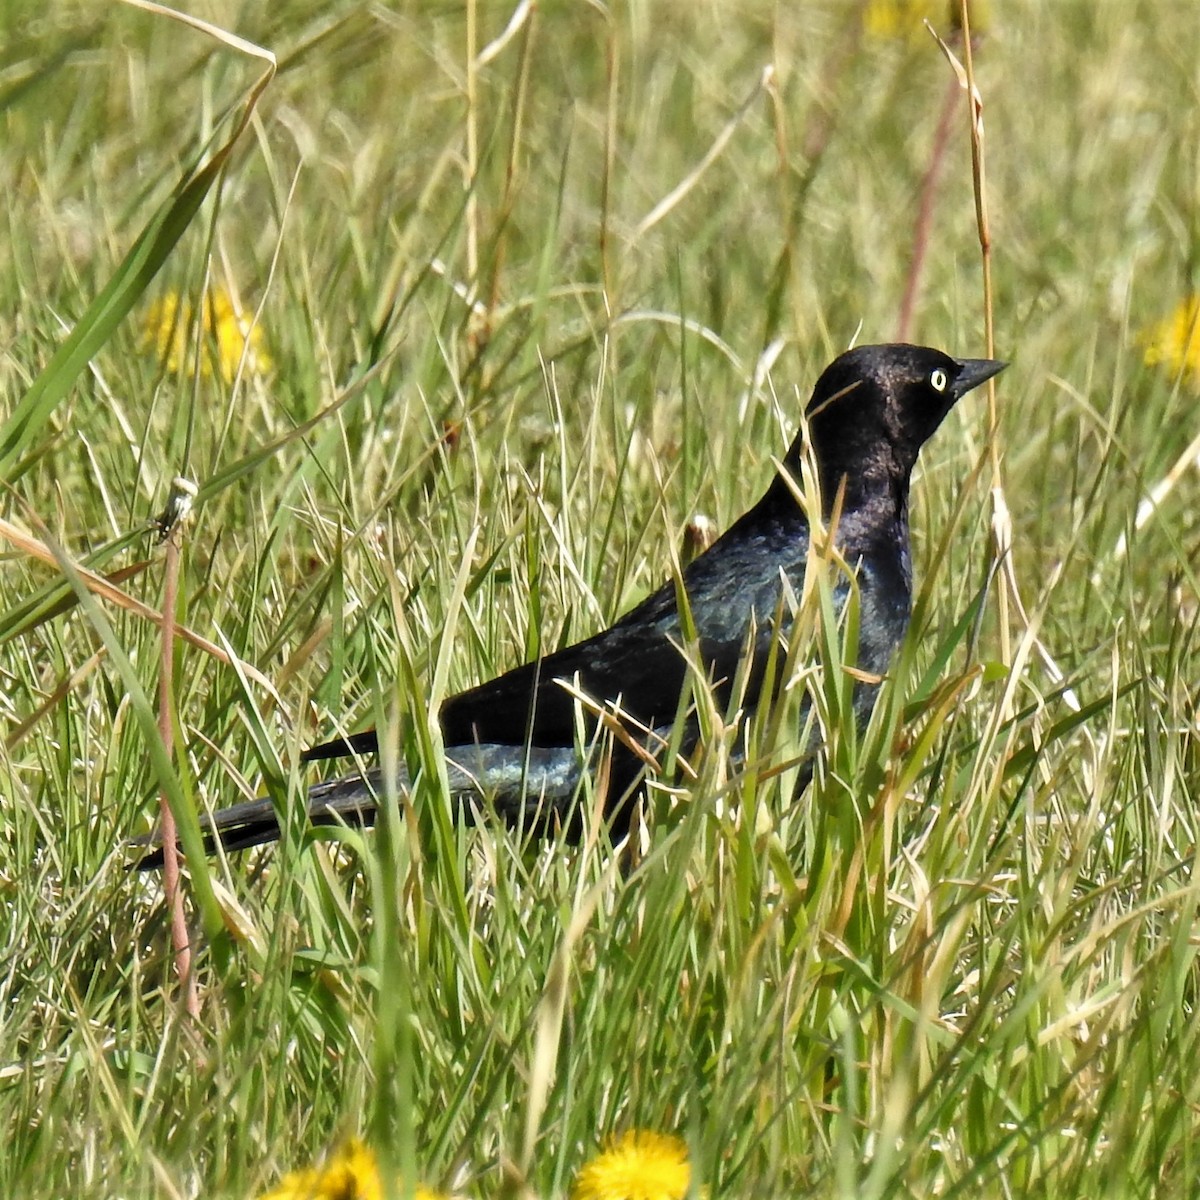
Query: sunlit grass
[961, 963]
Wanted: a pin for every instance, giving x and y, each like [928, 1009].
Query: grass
[962, 963]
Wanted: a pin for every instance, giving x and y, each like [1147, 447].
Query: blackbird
[513, 739]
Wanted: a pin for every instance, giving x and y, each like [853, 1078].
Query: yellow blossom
[906, 18]
[639, 1165]
[1174, 342]
[228, 331]
[351, 1174]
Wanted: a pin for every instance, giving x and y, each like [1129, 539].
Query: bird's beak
[974, 371]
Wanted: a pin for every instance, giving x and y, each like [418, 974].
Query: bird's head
[874, 407]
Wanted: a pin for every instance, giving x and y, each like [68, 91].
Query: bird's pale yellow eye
[938, 380]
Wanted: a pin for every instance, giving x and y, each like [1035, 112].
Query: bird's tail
[525, 784]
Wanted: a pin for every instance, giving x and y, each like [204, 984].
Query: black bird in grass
[513, 739]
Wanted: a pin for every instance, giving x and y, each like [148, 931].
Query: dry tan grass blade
[100, 586]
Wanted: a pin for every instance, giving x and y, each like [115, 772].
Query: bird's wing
[637, 657]
[637, 661]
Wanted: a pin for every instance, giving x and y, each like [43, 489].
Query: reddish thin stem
[925, 210]
[171, 880]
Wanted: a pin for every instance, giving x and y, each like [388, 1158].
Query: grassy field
[531, 290]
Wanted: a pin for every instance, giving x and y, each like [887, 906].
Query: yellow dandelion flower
[906, 18]
[350, 1174]
[229, 333]
[639, 1165]
[1174, 342]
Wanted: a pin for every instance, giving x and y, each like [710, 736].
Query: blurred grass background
[964, 961]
